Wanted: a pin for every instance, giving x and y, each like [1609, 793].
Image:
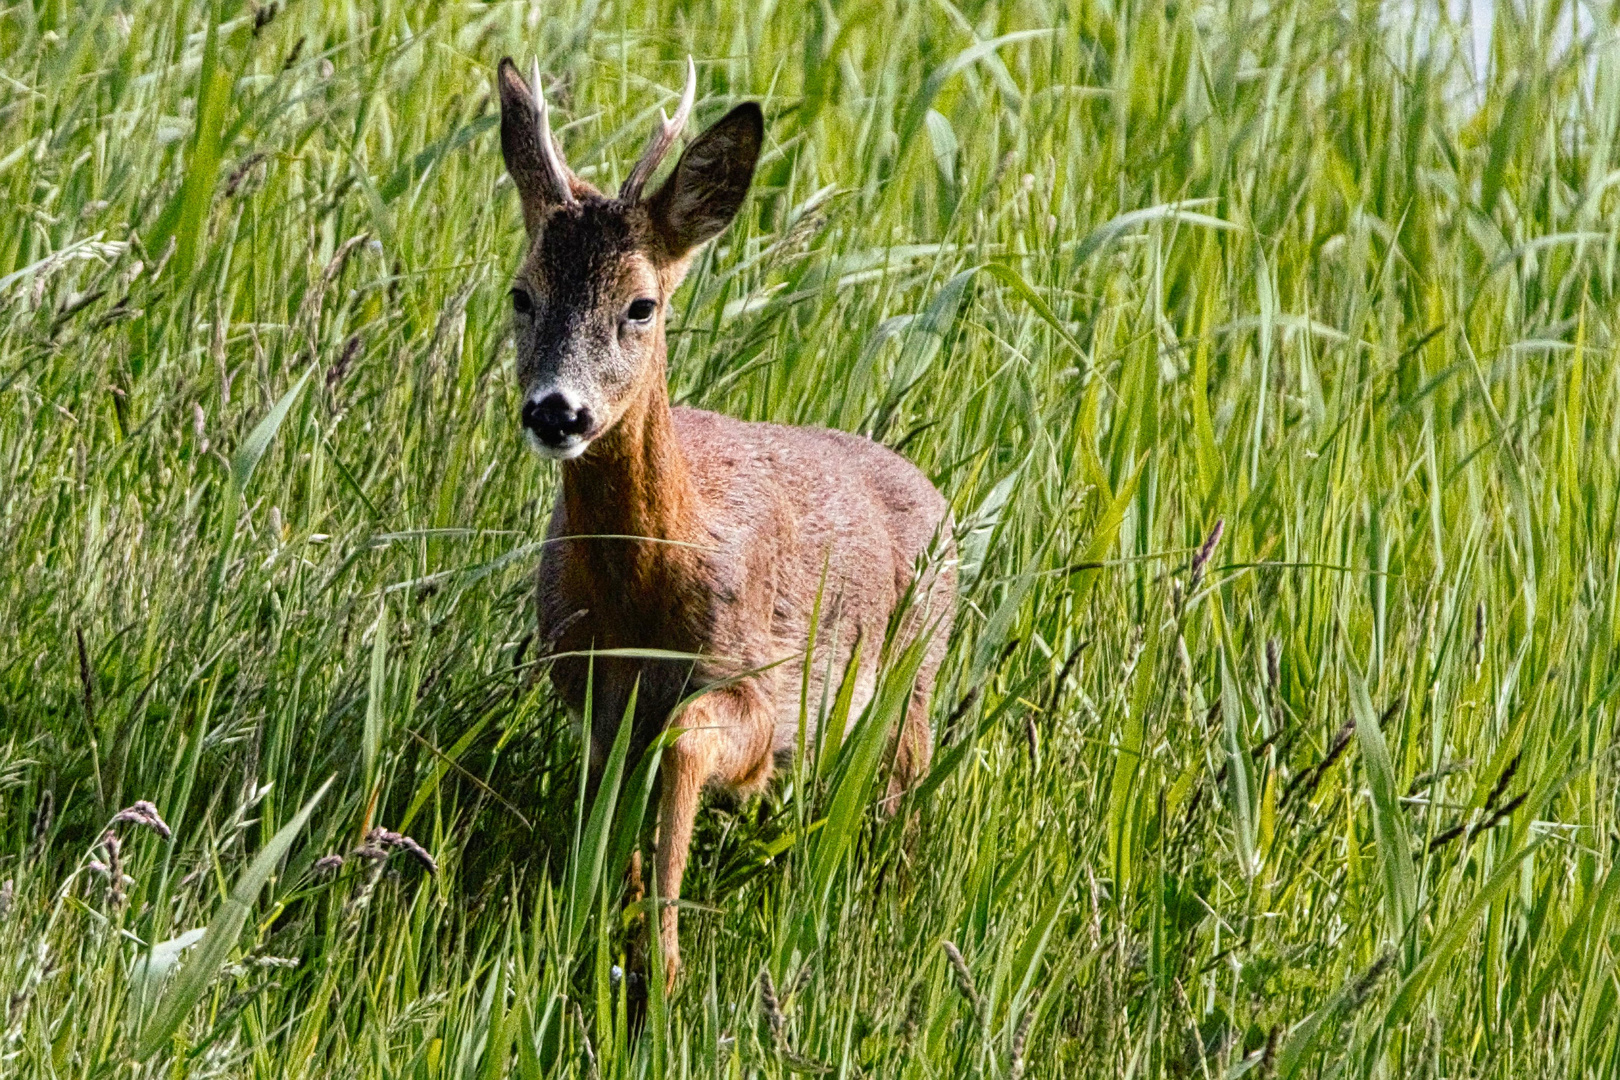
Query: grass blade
[1389, 821]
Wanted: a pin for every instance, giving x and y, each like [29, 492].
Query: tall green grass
[1332, 795]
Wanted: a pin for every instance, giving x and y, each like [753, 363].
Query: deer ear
[542, 181]
[707, 187]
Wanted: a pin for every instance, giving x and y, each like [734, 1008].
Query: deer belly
[815, 703]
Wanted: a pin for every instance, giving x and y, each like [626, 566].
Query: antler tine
[548, 149]
[663, 137]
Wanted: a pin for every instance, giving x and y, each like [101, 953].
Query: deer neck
[634, 481]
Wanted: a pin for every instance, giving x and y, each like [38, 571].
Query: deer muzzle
[556, 424]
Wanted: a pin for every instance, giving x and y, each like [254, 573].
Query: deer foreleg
[727, 737]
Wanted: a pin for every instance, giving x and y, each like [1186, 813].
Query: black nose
[554, 421]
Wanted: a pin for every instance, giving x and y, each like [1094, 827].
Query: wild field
[1266, 352]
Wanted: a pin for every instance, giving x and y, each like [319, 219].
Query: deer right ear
[542, 180]
[709, 183]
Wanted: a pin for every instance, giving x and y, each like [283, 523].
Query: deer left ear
[542, 180]
[709, 183]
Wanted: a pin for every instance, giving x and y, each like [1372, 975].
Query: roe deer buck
[741, 520]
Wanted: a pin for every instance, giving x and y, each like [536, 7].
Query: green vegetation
[1330, 795]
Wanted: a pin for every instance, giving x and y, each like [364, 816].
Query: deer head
[588, 300]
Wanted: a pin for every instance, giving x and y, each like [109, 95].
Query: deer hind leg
[913, 749]
[914, 742]
[727, 734]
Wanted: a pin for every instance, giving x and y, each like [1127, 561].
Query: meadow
[1266, 352]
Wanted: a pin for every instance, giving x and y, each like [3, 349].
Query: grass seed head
[143, 813]
[1205, 551]
[771, 1006]
[113, 868]
[44, 815]
[1015, 1061]
[1363, 987]
[381, 842]
[964, 979]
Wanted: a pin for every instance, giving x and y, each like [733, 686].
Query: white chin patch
[569, 450]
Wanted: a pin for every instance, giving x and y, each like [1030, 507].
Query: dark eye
[522, 302]
[641, 310]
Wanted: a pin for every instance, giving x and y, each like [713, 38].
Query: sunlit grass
[1332, 795]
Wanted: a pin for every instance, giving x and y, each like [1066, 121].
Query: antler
[557, 172]
[663, 137]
